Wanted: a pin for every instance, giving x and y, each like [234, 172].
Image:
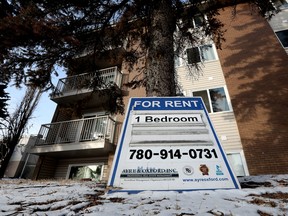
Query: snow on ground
[262, 195]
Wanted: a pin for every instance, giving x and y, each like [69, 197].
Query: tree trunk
[160, 77]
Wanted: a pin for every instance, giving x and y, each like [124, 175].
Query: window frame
[192, 24]
[93, 114]
[210, 101]
[243, 160]
[196, 24]
[195, 55]
[200, 53]
[86, 164]
[280, 5]
[283, 30]
[182, 60]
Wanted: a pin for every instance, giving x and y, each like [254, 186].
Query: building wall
[255, 69]
[57, 168]
[211, 76]
[223, 122]
[18, 158]
[227, 131]
[45, 168]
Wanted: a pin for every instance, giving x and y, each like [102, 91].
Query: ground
[260, 195]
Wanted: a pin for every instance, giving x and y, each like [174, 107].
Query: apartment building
[254, 65]
[80, 145]
[249, 74]
[243, 87]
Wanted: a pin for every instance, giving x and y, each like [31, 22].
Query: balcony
[74, 88]
[89, 136]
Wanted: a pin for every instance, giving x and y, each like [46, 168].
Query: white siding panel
[226, 127]
[47, 168]
[224, 123]
[211, 75]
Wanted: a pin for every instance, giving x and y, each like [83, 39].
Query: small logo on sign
[188, 170]
[219, 170]
[204, 169]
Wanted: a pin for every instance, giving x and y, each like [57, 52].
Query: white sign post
[169, 144]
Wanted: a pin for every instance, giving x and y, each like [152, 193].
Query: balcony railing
[82, 81]
[77, 131]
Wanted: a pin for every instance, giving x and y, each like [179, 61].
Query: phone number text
[172, 154]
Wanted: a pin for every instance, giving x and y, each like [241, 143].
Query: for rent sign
[169, 144]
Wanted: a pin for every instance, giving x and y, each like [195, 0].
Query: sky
[44, 111]
[263, 195]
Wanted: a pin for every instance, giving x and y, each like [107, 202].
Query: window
[193, 55]
[282, 4]
[218, 99]
[94, 126]
[86, 171]
[236, 163]
[214, 99]
[177, 61]
[207, 53]
[202, 53]
[205, 98]
[198, 21]
[283, 37]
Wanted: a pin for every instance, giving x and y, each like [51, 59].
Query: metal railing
[88, 129]
[83, 81]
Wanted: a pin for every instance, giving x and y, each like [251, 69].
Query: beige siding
[227, 131]
[62, 167]
[47, 168]
[224, 123]
[211, 75]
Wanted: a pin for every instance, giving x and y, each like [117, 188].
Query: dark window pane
[205, 98]
[219, 100]
[283, 37]
[198, 20]
[193, 55]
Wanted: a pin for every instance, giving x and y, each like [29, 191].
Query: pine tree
[37, 36]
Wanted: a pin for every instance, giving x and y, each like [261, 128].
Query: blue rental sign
[169, 143]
